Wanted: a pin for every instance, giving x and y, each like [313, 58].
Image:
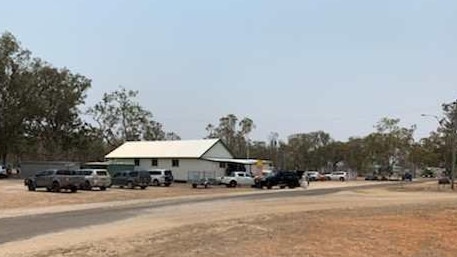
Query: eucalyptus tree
[121, 118]
[234, 133]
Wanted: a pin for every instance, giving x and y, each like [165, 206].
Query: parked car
[53, 180]
[337, 175]
[407, 176]
[161, 177]
[444, 181]
[313, 175]
[371, 177]
[236, 178]
[91, 178]
[131, 179]
[279, 178]
[3, 171]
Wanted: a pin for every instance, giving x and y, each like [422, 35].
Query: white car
[337, 175]
[237, 178]
[161, 177]
[3, 171]
[313, 175]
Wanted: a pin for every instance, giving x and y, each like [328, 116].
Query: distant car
[94, 178]
[131, 179]
[371, 177]
[313, 175]
[337, 175]
[3, 171]
[407, 176]
[444, 181]
[279, 178]
[161, 177]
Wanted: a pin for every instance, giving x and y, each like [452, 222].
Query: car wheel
[143, 187]
[194, 185]
[342, 179]
[31, 185]
[167, 184]
[55, 187]
[291, 186]
[130, 185]
[87, 186]
[48, 189]
[269, 185]
[282, 187]
[102, 188]
[155, 183]
[74, 189]
[233, 183]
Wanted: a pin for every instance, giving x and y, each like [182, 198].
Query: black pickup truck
[279, 178]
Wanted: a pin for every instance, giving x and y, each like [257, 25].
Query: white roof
[163, 149]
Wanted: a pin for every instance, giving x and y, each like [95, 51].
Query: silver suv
[94, 178]
[53, 180]
[161, 177]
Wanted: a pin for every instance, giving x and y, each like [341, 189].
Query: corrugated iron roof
[163, 149]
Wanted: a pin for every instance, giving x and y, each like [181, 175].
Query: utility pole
[454, 140]
[453, 156]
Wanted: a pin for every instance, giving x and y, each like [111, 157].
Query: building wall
[218, 151]
[181, 173]
[185, 165]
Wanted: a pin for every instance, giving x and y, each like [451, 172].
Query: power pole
[453, 158]
[454, 141]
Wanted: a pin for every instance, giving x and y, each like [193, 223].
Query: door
[39, 178]
[116, 180]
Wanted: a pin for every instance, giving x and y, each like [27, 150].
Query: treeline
[389, 146]
[41, 108]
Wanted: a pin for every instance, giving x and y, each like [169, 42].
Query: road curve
[25, 227]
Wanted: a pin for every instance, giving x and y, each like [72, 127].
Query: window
[222, 165]
[155, 172]
[137, 162]
[175, 163]
[154, 162]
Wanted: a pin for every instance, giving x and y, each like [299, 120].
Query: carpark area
[15, 194]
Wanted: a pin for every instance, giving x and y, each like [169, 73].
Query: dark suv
[131, 179]
[279, 178]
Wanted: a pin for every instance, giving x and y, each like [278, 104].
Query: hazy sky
[291, 66]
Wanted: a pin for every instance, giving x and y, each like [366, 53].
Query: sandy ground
[411, 220]
[16, 200]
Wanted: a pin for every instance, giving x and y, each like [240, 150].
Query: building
[181, 157]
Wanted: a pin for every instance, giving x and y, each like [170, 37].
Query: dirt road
[362, 222]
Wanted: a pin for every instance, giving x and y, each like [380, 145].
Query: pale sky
[291, 66]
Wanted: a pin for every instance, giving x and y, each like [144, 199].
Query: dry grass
[409, 230]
